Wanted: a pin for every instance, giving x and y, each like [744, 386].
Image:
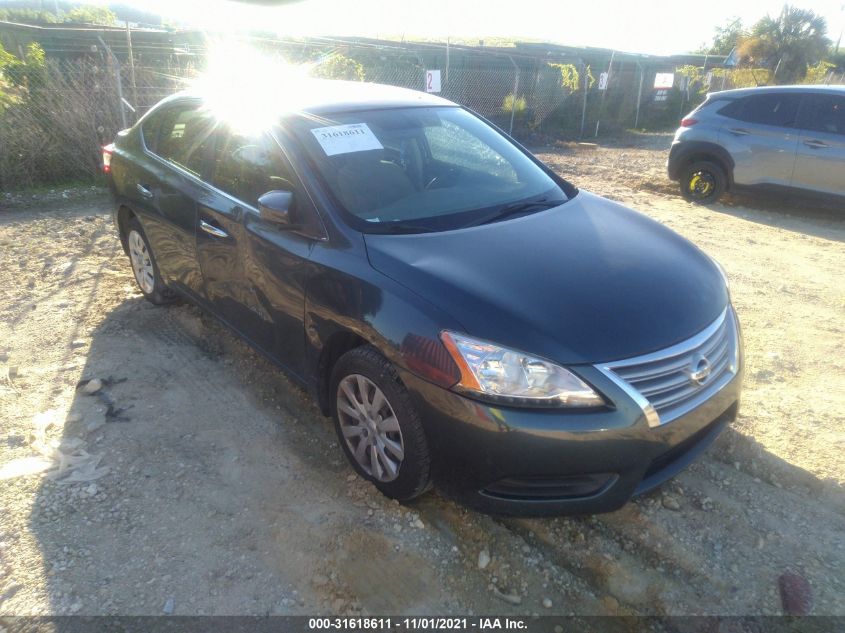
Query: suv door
[761, 137]
[255, 274]
[820, 164]
[176, 141]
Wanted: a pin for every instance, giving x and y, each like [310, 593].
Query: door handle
[144, 191]
[738, 131]
[816, 144]
[212, 230]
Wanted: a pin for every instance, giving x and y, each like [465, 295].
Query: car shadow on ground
[820, 218]
[218, 488]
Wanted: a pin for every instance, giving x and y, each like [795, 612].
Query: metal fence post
[121, 100]
[639, 95]
[604, 92]
[584, 106]
[515, 89]
[131, 64]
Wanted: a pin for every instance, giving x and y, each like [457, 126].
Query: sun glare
[248, 89]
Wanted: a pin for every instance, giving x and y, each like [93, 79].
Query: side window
[249, 166]
[455, 146]
[823, 113]
[733, 108]
[775, 109]
[186, 138]
[150, 129]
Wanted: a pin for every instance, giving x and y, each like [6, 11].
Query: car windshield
[422, 169]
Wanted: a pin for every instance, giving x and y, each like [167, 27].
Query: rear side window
[823, 113]
[775, 109]
[150, 129]
[185, 138]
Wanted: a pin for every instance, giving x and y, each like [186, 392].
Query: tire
[144, 267]
[365, 367]
[703, 182]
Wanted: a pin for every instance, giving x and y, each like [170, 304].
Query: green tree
[24, 73]
[569, 76]
[786, 45]
[725, 38]
[338, 66]
[88, 14]
[515, 104]
[28, 16]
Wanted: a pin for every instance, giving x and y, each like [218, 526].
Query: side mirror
[276, 206]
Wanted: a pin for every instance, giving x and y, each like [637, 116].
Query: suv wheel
[378, 425]
[703, 182]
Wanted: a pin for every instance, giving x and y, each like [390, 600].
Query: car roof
[323, 96]
[744, 92]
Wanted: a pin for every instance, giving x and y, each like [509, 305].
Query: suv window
[185, 138]
[765, 109]
[823, 113]
[249, 166]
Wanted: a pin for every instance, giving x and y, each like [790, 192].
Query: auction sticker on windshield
[343, 139]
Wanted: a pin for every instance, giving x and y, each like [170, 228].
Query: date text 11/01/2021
[418, 623]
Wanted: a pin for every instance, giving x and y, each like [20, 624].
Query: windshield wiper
[514, 209]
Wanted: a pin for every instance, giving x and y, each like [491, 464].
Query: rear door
[177, 145]
[820, 164]
[762, 138]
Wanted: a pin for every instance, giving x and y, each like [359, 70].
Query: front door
[254, 272]
[820, 164]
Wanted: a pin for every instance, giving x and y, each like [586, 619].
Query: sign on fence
[664, 81]
[603, 81]
[432, 81]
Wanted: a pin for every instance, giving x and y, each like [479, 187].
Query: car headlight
[508, 376]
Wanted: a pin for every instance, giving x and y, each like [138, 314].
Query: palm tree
[786, 45]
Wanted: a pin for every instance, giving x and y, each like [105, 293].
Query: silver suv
[782, 137]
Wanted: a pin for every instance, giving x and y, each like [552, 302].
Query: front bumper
[542, 462]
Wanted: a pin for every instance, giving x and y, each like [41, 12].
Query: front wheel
[703, 182]
[378, 425]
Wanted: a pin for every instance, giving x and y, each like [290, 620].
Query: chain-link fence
[54, 120]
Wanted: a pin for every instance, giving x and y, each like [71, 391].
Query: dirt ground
[198, 480]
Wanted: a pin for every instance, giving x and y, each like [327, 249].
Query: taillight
[688, 122]
[108, 150]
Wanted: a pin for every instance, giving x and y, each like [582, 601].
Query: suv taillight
[688, 122]
[108, 150]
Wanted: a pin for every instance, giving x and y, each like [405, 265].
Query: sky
[640, 26]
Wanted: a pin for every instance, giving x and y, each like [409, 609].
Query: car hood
[586, 282]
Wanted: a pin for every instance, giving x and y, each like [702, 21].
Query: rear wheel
[144, 266]
[378, 425]
[703, 182]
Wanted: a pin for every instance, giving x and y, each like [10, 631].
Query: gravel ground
[198, 480]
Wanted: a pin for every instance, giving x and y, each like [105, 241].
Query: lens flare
[248, 89]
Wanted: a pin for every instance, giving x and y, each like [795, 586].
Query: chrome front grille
[676, 380]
